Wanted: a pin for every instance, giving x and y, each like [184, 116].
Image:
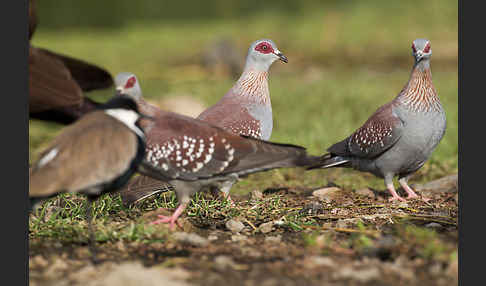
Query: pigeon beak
[281, 56]
[419, 55]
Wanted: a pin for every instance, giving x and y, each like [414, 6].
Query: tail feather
[142, 187]
[329, 161]
[270, 155]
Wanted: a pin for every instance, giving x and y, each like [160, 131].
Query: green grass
[344, 62]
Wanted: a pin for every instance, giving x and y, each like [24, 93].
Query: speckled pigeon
[401, 135]
[192, 154]
[246, 108]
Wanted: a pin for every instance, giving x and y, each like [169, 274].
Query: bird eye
[264, 47]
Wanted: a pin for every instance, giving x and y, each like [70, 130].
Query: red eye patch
[427, 48]
[130, 82]
[264, 48]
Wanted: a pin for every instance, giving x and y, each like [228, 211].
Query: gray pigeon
[400, 136]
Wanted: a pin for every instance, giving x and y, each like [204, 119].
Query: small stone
[38, 261]
[435, 269]
[256, 195]
[235, 226]
[322, 261]
[223, 262]
[360, 275]
[447, 184]
[273, 239]
[212, 237]
[238, 237]
[433, 225]
[190, 238]
[366, 192]
[266, 227]
[326, 194]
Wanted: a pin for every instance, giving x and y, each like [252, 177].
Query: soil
[354, 237]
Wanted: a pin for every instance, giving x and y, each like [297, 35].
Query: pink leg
[228, 198]
[394, 194]
[171, 219]
[406, 187]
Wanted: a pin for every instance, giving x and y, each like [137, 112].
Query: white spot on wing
[48, 157]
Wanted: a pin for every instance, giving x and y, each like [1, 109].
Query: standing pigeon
[246, 108]
[192, 154]
[400, 136]
[57, 82]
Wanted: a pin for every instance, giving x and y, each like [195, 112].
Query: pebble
[266, 227]
[433, 225]
[366, 192]
[235, 226]
[134, 274]
[238, 237]
[322, 261]
[190, 238]
[326, 194]
[273, 239]
[223, 262]
[360, 275]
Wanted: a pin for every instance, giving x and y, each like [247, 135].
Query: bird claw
[167, 219]
[412, 196]
[396, 198]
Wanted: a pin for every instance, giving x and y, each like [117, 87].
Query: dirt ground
[342, 237]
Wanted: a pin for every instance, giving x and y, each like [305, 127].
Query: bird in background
[193, 155]
[401, 135]
[245, 109]
[96, 154]
[57, 82]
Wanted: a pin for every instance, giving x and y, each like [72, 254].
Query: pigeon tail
[329, 161]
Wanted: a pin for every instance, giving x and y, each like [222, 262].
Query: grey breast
[422, 133]
[263, 113]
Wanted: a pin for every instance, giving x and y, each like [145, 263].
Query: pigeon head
[421, 49]
[127, 83]
[262, 54]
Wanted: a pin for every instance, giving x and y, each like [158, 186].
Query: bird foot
[394, 198]
[412, 196]
[230, 200]
[167, 219]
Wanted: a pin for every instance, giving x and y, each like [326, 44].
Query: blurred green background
[346, 58]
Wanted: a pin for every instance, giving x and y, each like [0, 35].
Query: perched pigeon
[400, 136]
